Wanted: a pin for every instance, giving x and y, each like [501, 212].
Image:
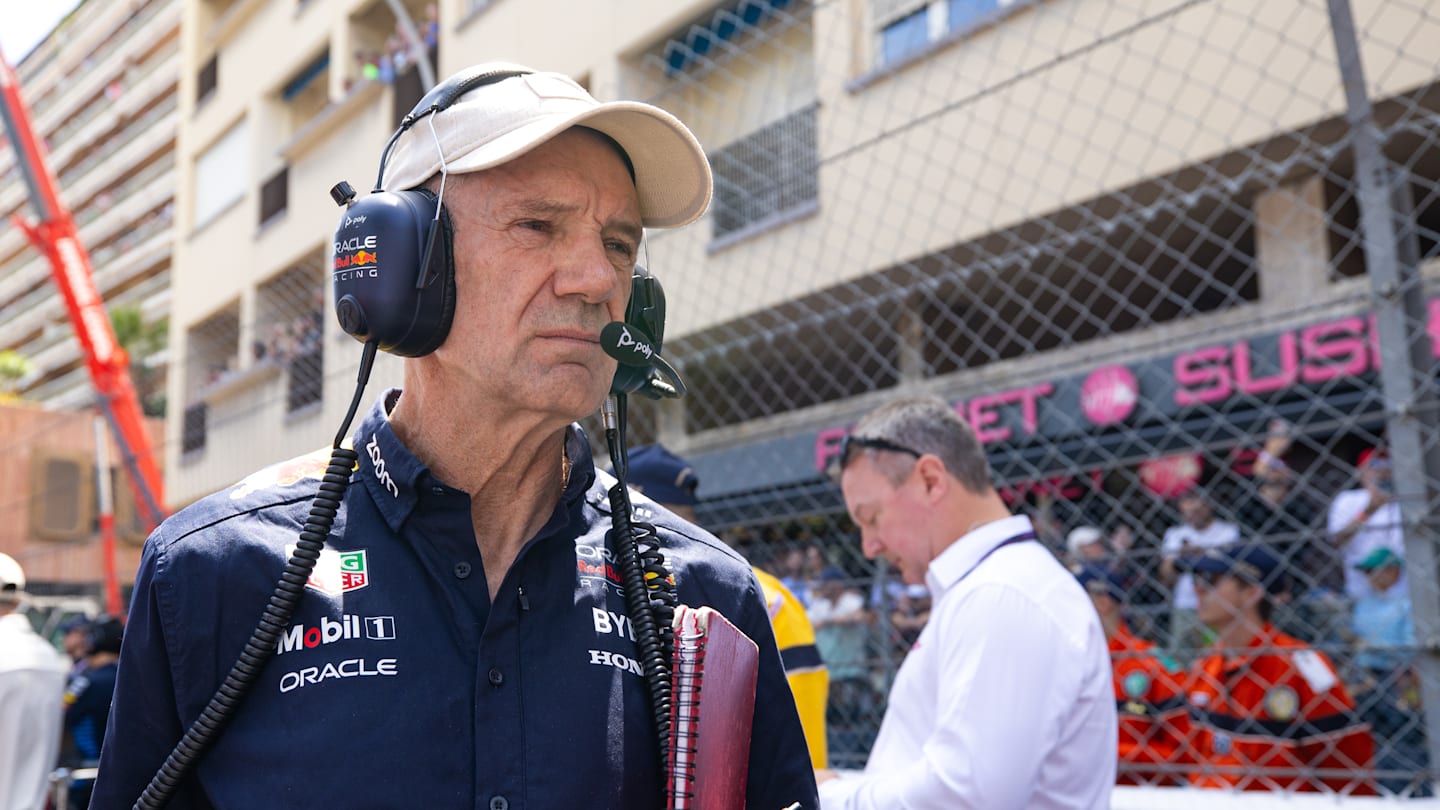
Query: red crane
[54, 234]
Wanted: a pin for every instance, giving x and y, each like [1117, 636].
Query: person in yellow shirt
[668, 480]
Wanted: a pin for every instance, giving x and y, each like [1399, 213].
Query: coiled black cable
[281, 607]
[650, 597]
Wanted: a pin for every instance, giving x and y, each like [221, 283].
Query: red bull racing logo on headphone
[357, 257]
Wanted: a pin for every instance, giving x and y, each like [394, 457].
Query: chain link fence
[1172, 261]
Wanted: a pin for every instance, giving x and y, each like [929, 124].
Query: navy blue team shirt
[398, 683]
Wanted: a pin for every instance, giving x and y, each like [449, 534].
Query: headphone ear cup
[382, 291]
[646, 312]
[437, 298]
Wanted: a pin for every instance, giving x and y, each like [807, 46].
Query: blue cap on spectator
[663, 476]
[1099, 579]
[1249, 562]
[71, 625]
[832, 573]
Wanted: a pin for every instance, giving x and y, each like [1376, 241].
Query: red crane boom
[54, 234]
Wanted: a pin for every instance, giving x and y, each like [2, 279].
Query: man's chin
[573, 391]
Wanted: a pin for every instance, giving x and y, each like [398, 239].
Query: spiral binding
[689, 669]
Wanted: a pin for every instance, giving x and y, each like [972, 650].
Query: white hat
[1083, 536]
[497, 122]
[12, 578]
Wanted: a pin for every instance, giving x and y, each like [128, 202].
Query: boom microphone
[632, 347]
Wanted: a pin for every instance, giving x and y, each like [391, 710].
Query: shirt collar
[1261, 643]
[393, 475]
[957, 561]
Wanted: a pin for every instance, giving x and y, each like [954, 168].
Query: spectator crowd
[398, 53]
[1262, 640]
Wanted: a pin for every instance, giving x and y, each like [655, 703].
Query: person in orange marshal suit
[1266, 712]
[1148, 695]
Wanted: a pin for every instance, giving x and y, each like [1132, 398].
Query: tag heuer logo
[338, 572]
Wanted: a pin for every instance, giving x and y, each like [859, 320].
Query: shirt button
[496, 678]
[462, 570]
[437, 490]
[499, 803]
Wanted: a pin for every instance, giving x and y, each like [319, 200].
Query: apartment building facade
[906, 197]
[101, 92]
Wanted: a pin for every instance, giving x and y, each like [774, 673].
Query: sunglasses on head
[851, 442]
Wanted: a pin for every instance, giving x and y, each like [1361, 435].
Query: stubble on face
[545, 247]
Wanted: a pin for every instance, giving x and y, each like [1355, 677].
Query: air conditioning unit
[62, 496]
[128, 525]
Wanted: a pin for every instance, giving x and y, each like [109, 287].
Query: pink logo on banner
[1109, 395]
[1171, 475]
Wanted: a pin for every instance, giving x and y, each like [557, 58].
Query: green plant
[13, 368]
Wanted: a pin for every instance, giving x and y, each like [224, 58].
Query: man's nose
[586, 271]
[870, 544]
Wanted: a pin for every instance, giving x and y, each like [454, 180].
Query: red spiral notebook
[712, 706]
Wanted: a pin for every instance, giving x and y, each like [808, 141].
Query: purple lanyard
[1019, 538]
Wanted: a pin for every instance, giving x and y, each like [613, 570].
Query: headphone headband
[440, 97]
[452, 89]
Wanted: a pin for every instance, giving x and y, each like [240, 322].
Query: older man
[468, 642]
[1005, 700]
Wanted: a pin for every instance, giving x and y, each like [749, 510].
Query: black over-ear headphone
[393, 265]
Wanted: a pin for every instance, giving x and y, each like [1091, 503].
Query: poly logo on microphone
[627, 340]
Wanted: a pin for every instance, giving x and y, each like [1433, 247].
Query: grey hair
[928, 425]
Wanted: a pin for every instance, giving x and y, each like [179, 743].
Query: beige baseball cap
[497, 122]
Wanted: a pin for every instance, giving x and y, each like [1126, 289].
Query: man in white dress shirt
[1006, 699]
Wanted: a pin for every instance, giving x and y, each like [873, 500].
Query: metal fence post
[1398, 295]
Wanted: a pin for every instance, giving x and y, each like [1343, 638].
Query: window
[962, 14]
[936, 20]
[206, 82]
[290, 329]
[275, 195]
[307, 93]
[306, 385]
[905, 36]
[765, 174]
[726, 24]
[221, 175]
[192, 430]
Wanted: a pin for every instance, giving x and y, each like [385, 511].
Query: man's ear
[933, 475]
